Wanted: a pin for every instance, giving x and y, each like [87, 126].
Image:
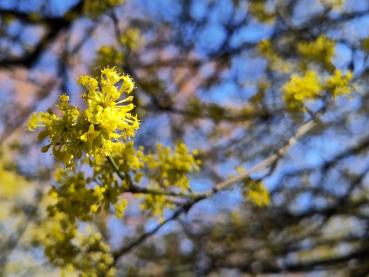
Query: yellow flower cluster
[257, 193]
[11, 183]
[129, 158]
[300, 89]
[339, 84]
[95, 258]
[167, 168]
[94, 8]
[72, 250]
[110, 119]
[74, 198]
[99, 136]
[156, 204]
[120, 207]
[131, 38]
[13, 188]
[335, 4]
[259, 9]
[265, 48]
[56, 236]
[365, 44]
[320, 51]
[96, 131]
[106, 55]
[60, 130]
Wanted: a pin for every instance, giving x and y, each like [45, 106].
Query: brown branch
[141, 238]
[305, 128]
[54, 25]
[219, 187]
[133, 188]
[309, 266]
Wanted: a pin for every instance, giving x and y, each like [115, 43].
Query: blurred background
[208, 73]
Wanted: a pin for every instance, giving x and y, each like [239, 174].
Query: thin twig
[305, 128]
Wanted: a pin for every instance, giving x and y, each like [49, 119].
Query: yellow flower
[276, 62]
[171, 168]
[335, 4]
[104, 124]
[257, 193]
[90, 135]
[338, 83]
[259, 9]
[131, 38]
[365, 44]
[107, 55]
[301, 88]
[120, 207]
[93, 8]
[321, 50]
[94, 208]
[113, 116]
